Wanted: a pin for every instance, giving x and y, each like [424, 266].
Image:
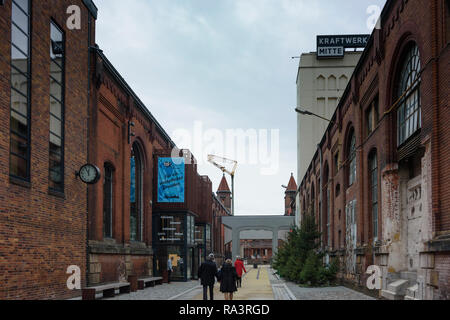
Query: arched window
[373, 175]
[327, 198]
[352, 159]
[108, 199]
[136, 193]
[409, 117]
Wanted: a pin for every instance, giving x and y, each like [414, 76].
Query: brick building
[289, 197]
[221, 207]
[122, 140]
[43, 98]
[378, 185]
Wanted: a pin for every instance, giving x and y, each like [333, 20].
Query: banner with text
[171, 177]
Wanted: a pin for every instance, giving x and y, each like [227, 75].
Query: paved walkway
[325, 293]
[255, 286]
[159, 292]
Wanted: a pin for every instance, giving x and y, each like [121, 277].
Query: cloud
[226, 63]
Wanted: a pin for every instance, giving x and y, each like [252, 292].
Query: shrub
[298, 260]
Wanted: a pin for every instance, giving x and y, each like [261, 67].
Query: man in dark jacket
[207, 273]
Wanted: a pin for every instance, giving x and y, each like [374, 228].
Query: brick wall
[376, 76]
[42, 234]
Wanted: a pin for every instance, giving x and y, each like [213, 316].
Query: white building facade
[320, 84]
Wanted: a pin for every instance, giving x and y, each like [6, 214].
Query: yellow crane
[214, 161]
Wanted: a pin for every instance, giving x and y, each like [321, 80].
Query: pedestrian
[239, 265]
[207, 274]
[227, 278]
[169, 268]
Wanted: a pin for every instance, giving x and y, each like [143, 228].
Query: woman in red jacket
[239, 265]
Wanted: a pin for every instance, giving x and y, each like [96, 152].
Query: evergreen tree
[298, 259]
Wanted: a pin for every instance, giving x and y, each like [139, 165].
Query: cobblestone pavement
[326, 293]
[159, 292]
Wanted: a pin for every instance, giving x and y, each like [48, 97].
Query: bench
[108, 290]
[149, 282]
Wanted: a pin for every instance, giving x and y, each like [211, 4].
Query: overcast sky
[224, 64]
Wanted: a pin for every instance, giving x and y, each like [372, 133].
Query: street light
[309, 113]
[319, 150]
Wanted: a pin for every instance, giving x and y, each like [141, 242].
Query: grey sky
[226, 63]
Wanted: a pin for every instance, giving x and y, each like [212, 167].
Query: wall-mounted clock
[89, 174]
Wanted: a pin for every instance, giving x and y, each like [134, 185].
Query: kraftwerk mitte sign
[334, 46]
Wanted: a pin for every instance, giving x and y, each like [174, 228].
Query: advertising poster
[171, 176]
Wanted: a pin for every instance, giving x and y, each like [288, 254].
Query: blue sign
[171, 176]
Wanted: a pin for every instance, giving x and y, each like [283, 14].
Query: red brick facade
[218, 229]
[412, 178]
[120, 124]
[42, 233]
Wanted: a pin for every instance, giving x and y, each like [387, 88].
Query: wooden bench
[149, 282]
[108, 290]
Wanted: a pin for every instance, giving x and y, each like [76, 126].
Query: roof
[223, 187]
[90, 5]
[138, 103]
[292, 185]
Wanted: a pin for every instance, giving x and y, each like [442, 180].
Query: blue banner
[171, 176]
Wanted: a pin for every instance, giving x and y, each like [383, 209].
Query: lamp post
[319, 149]
[309, 113]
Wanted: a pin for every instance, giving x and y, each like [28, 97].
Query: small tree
[292, 256]
[298, 259]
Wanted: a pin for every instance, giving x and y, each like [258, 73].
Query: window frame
[62, 104]
[108, 168]
[28, 76]
[352, 165]
[372, 116]
[373, 187]
[409, 66]
[138, 155]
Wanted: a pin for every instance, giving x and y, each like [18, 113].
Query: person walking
[169, 269]
[239, 265]
[227, 278]
[207, 274]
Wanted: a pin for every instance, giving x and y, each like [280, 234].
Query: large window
[19, 159]
[329, 235]
[108, 200]
[373, 167]
[136, 194]
[56, 157]
[352, 159]
[409, 112]
[372, 117]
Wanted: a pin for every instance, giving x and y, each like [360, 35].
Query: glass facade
[409, 115]
[136, 194]
[19, 164]
[108, 201]
[174, 237]
[56, 157]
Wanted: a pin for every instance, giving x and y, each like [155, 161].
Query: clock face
[89, 174]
